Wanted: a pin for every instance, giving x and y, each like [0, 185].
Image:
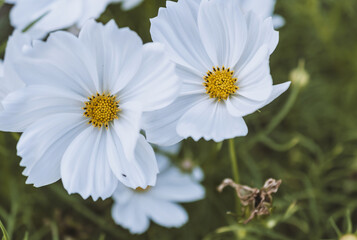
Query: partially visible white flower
[51, 15]
[264, 8]
[222, 58]
[133, 209]
[129, 4]
[17, 44]
[80, 111]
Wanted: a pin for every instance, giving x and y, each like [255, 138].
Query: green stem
[282, 114]
[235, 170]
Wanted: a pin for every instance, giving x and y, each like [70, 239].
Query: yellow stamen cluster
[101, 109]
[141, 190]
[220, 83]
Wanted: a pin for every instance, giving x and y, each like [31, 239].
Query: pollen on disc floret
[101, 109]
[220, 83]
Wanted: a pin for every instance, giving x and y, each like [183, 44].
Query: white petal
[210, 119]
[85, 168]
[160, 125]
[263, 8]
[254, 80]
[156, 84]
[118, 53]
[92, 9]
[63, 62]
[1, 68]
[197, 174]
[176, 27]
[130, 215]
[130, 4]
[259, 33]
[123, 194]
[43, 144]
[17, 44]
[192, 82]
[27, 105]
[50, 14]
[269, 35]
[173, 185]
[138, 172]
[223, 31]
[165, 213]
[127, 126]
[277, 91]
[278, 21]
[241, 106]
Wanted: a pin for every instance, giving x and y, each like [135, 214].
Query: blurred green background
[312, 148]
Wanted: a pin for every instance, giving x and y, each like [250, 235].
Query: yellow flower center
[101, 109]
[220, 83]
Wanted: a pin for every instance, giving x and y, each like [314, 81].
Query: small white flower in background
[222, 58]
[263, 8]
[81, 109]
[51, 15]
[17, 44]
[133, 209]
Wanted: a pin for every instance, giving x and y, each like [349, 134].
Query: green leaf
[5, 235]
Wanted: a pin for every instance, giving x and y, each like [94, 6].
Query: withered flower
[257, 201]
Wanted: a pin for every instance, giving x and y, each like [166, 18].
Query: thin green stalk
[5, 235]
[235, 169]
[285, 110]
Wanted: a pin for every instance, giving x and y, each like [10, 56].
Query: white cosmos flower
[81, 109]
[223, 63]
[133, 209]
[264, 8]
[51, 15]
[17, 44]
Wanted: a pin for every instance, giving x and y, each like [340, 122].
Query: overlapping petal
[223, 31]
[139, 171]
[176, 27]
[156, 82]
[85, 168]
[43, 144]
[160, 125]
[27, 105]
[210, 119]
[62, 61]
[117, 54]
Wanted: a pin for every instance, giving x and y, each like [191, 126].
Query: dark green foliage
[313, 149]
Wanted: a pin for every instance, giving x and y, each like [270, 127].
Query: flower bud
[299, 76]
[349, 237]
